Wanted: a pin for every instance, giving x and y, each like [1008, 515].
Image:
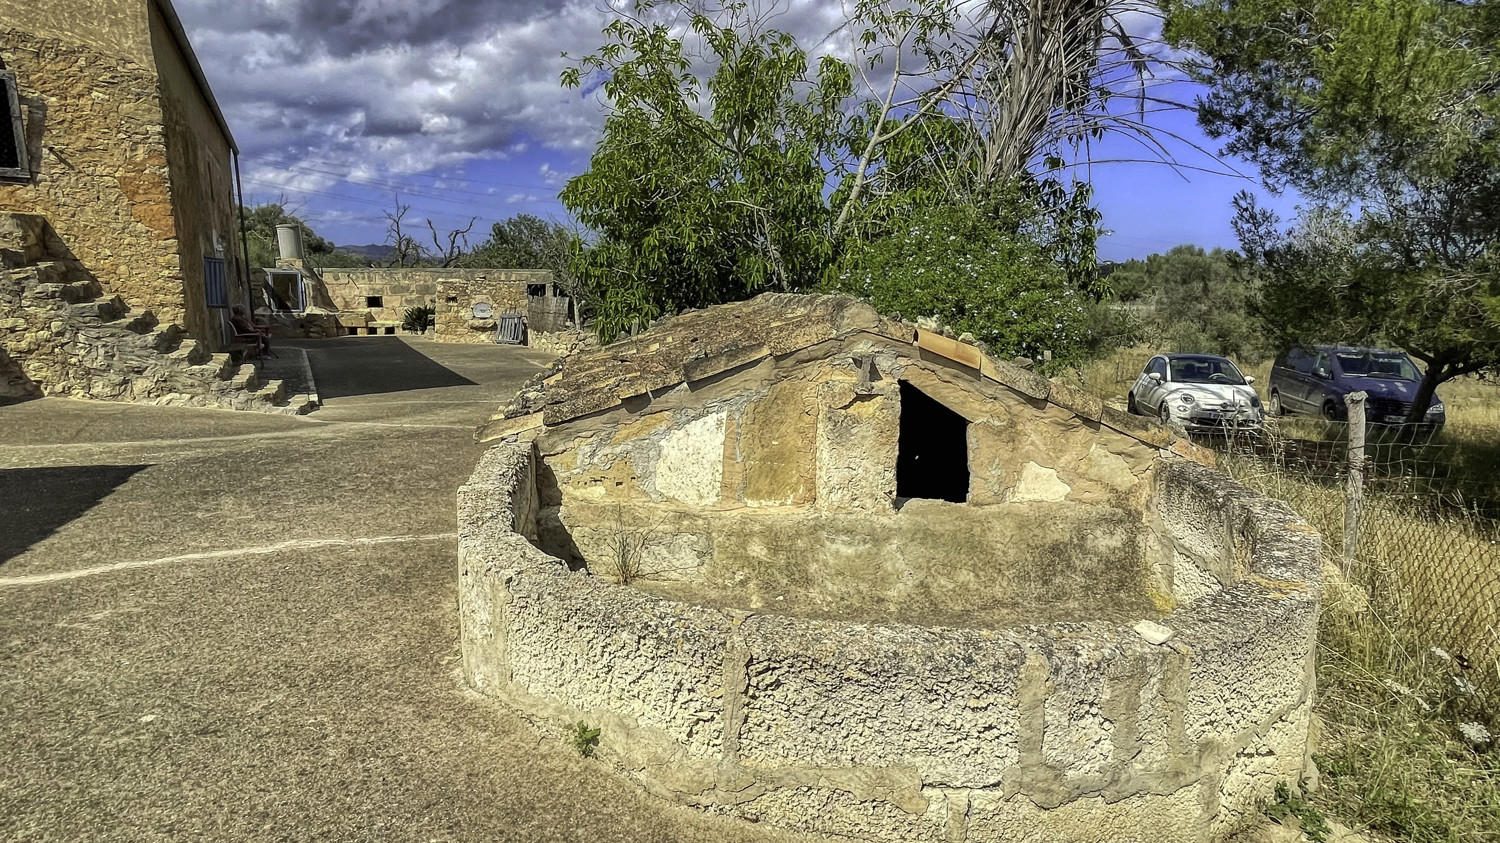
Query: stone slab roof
[698, 344]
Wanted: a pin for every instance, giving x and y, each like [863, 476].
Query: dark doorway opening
[932, 455]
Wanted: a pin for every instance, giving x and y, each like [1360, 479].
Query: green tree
[525, 241]
[956, 264]
[519, 242]
[1386, 114]
[696, 207]
[760, 175]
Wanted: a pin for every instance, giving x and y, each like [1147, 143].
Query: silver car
[1202, 392]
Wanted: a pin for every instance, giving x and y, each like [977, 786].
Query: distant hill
[373, 251]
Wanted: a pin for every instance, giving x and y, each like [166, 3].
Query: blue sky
[339, 106]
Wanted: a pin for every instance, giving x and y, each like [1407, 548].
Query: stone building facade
[825, 570]
[129, 159]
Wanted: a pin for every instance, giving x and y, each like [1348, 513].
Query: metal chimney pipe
[289, 242]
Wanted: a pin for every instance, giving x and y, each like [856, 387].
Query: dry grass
[1410, 657]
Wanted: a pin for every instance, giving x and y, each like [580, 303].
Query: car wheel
[1273, 404]
[1130, 406]
[1165, 413]
[1330, 411]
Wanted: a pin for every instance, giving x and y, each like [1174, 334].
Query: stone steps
[163, 339]
[135, 321]
[190, 353]
[273, 393]
[100, 347]
[103, 310]
[300, 405]
[247, 379]
[219, 367]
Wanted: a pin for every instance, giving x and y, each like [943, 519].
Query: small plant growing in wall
[625, 548]
[418, 319]
[584, 738]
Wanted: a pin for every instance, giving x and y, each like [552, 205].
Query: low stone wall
[1084, 730]
[453, 292]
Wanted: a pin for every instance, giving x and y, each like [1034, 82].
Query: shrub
[418, 319]
[957, 265]
[584, 738]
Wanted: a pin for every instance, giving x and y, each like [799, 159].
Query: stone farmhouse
[122, 245]
[821, 569]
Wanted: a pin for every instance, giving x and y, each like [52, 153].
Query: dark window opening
[932, 453]
[536, 290]
[13, 162]
[285, 293]
[451, 299]
[374, 301]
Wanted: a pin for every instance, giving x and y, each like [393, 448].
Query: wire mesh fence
[1405, 520]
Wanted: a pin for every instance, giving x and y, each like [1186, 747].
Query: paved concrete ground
[219, 625]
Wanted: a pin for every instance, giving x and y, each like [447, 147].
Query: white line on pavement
[303, 544]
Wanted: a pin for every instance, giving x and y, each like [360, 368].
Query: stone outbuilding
[120, 246]
[814, 567]
[121, 148]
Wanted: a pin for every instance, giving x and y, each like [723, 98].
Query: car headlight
[1437, 409]
[1255, 401]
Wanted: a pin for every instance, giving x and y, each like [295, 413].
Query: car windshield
[1205, 370]
[1376, 365]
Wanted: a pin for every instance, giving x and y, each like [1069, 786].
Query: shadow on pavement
[36, 502]
[372, 365]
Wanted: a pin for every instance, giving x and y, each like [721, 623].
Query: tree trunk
[1436, 373]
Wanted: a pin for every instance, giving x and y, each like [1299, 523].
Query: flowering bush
[956, 265]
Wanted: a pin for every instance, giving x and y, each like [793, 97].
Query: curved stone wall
[885, 731]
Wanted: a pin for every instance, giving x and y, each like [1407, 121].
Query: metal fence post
[1354, 492]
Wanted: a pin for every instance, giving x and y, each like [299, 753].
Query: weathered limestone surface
[505, 291]
[1067, 730]
[452, 292]
[128, 158]
[203, 209]
[1105, 642]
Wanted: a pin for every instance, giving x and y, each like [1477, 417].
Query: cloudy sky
[339, 105]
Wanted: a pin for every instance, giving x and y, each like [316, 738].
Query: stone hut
[809, 566]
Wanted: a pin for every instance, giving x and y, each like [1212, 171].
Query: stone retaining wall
[887, 731]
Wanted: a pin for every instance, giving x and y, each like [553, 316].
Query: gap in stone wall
[932, 450]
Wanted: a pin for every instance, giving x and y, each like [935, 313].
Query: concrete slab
[207, 633]
[291, 697]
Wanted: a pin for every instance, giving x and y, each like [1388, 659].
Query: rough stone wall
[1087, 731]
[113, 27]
[99, 161]
[58, 336]
[504, 292]
[812, 432]
[203, 206]
[1106, 643]
[400, 288]
[932, 562]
